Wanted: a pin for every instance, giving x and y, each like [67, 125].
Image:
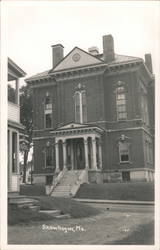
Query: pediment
[73, 125]
[77, 58]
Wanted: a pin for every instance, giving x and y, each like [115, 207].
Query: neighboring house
[94, 111]
[14, 126]
[29, 170]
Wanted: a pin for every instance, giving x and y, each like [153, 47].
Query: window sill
[125, 120]
[125, 162]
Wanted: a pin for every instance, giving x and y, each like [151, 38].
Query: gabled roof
[76, 58]
[85, 60]
[74, 128]
[73, 125]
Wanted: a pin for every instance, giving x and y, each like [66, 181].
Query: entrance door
[126, 176]
[79, 154]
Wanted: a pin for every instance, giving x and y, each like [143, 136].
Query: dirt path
[104, 228]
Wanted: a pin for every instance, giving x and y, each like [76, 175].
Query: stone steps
[19, 201]
[51, 212]
[57, 214]
[64, 187]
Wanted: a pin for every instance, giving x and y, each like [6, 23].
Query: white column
[72, 156]
[100, 153]
[64, 155]
[57, 156]
[86, 152]
[94, 162]
[17, 153]
[10, 162]
[17, 162]
[17, 91]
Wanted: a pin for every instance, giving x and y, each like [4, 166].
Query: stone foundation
[95, 177]
[133, 176]
[39, 179]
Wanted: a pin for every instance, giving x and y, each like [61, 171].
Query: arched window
[121, 103]
[80, 106]
[48, 112]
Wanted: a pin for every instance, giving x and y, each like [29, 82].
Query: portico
[78, 147]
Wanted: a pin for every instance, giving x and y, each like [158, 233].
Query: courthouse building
[14, 125]
[94, 111]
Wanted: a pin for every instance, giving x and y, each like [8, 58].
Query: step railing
[56, 181]
[82, 178]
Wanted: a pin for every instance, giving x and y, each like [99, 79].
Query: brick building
[95, 112]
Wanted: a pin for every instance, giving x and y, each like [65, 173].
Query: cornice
[13, 66]
[85, 71]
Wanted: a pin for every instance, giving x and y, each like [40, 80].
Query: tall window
[144, 106]
[123, 151]
[80, 107]
[48, 112]
[49, 157]
[121, 103]
[77, 107]
[149, 151]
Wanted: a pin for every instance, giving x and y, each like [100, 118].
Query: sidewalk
[116, 202]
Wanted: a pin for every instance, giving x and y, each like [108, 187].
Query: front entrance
[75, 154]
[78, 146]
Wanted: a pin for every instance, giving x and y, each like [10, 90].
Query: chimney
[57, 54]
[148, 62]
[108, 48]
[93, 51]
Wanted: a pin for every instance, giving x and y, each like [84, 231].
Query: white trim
[135, 128]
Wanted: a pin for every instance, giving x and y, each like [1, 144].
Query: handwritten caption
[64, 229]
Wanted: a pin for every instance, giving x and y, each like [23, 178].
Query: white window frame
[128, 146]
[80, 93]
[124, 105]
[48, 110]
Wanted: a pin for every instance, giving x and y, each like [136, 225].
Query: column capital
[94, 140]
[56, 141]
[85, 141]
[64, 143]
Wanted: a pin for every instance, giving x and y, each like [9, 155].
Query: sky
[33, 27]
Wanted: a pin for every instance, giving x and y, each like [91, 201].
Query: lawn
[140, 191]
[107, 228]
[65, 205]
[144, 235]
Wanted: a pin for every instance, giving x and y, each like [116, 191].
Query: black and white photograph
[79, 126]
